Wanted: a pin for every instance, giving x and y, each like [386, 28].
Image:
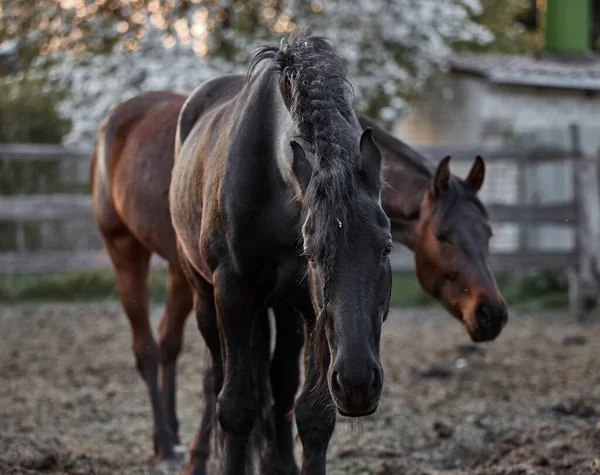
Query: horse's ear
[477, 174]
[370, 161]
[301, 166]
[441, 180]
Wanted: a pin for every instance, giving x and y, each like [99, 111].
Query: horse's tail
[110, 139]
[97, 150]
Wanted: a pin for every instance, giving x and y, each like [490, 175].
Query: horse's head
[347, 242]
[451, 240]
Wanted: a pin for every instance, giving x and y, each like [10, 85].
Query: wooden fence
[544, 201]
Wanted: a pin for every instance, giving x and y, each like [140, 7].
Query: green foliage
[544, 282]
[28, 110]
[511, 37]
[406, 291]
[72, 286]
[543, 289]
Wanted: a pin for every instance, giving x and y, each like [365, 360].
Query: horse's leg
[178, 305]
[200, 447]
[213, 381]
[206, 318]
[315, 411]
[284, 376]
[239, 402]
[131, 261]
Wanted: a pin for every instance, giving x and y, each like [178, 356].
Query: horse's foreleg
[315, 413]
[206, 318]
[213, 380]
[284, 376]
[200, 447]
[178, 305]
[240, 400]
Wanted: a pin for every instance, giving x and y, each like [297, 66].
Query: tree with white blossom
[98, 83]
[391, 47]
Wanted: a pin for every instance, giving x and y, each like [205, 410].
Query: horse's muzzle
[490, 319]
[355, 392]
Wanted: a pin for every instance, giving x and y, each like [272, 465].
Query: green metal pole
[568, 26]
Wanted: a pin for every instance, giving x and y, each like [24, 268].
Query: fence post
[522, 199]
[586, 277]
[576, 294]
[576, 300]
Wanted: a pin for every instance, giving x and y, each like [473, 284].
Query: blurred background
[515, 80]
[507, 79]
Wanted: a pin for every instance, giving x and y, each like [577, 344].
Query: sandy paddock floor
[71, 400]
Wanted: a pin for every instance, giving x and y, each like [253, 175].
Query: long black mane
[316, 90]
[318, 95]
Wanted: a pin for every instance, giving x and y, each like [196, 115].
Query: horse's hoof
[194, 469]
[286, 471]
[170, 465]
[180, 449]
[181, 453]
[280, 469]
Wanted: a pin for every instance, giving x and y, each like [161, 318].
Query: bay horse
[436, 215]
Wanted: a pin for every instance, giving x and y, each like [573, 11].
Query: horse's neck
[401, 197]
[406, 176]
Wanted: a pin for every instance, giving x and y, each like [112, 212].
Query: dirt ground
[71, 400]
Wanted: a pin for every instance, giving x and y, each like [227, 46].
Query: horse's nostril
[483, 315]
[490, 315]
[374, 378]
[336, 384]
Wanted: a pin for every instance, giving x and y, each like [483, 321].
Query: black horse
[275, 200]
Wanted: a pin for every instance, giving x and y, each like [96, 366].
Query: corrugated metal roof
[561, 71]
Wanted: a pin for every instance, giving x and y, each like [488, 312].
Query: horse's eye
[387, 251]
[442, 236]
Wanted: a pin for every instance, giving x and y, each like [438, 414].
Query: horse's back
[131, 170]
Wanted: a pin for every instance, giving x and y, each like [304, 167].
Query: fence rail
[538, 198]
[38, 152]
[44, 261]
